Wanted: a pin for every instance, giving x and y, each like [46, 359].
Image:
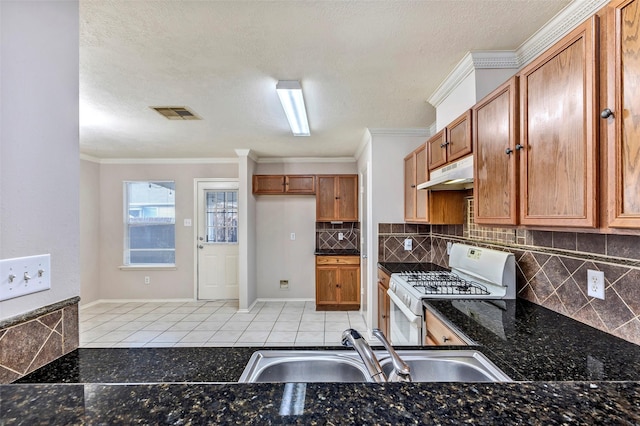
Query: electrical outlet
[147, 280]
[449, 244]
[284, 284]
[293, 236]
[340, 236]
[408, 244]
[595, 284]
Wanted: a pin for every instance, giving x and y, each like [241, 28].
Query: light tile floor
[212, 323]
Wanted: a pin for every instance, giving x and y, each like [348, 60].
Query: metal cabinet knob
[200, 246]
[413, 186]
[508, 151]
[519, 147]
[606, 113]
[445, 339]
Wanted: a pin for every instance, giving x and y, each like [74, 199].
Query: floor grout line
[298, 323]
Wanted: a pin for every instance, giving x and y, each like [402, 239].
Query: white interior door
[217, 240]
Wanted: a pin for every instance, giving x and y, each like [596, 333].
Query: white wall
[277, 216]
[39, 166]
[246, 231]
[115, 283]
[386, 197]
[89, 231]
[461, 99]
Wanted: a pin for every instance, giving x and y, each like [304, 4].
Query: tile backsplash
[551, 267]
[31, 340]
[327, 236]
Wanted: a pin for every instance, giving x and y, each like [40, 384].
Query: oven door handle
[413, 318]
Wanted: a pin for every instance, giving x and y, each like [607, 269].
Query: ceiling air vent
[176, 113]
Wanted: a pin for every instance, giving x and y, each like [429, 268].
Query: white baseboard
[95, 302]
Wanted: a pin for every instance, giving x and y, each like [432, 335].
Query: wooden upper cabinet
[558, 93]
[268, 184]
[451, 143]
[300, 184]
[415, 172]
[437, 146]
[284, 184]
[495, 135]
[337, 198]
[410, 187]
[623, 126]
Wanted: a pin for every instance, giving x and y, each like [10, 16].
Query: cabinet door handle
[508, 151]
[519, 147]
[413, 186]
[442, 145]
[445, 339]
[606, 113]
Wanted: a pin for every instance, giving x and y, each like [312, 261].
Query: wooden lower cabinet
[438, 333]
[384, 302]
[337, 283]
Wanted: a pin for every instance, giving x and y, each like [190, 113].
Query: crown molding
[408, 132]
[485, 59]
[90, 158]
[566, 20]
[247, 153]
[268, 160]
[166, 160]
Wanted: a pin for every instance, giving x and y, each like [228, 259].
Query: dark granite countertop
[331, 252]
[565, 372]
[392, 268]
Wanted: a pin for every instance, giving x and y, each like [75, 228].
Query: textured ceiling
[362, 64]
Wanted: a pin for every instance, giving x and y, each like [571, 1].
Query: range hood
[454, 176]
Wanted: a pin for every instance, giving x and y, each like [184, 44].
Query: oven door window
[404, 330]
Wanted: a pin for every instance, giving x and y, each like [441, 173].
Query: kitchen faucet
[401, 373]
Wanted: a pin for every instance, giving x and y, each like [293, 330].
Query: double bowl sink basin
[345, 366]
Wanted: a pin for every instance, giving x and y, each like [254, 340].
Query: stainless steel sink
[345, 366]
[304, 366]
[448, 366]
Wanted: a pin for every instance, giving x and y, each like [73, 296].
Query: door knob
[606, 113]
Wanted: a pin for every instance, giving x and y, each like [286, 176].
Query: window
[150, 222]
[222, 217]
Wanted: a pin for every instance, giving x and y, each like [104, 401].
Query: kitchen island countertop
[565, 372]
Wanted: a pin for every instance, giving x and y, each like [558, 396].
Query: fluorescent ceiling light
[290, 94]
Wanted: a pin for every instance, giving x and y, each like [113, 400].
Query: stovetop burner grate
[437, 282]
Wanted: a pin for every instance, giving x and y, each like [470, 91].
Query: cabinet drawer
[438, 333]
[337, 260]
[383, 279]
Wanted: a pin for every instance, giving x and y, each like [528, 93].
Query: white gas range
[476, 273]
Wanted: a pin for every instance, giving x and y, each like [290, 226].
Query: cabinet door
[300, 184]
[459, 137]
[349, 284]
[437, 150]
[422, 196]
[268, 184]
[558, 162]
[326, 198]
[410, 187]
[383, 307]
[495, 135]
[623, 128]
[326, 285]
[347, 197]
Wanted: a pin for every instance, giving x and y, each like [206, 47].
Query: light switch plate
[24, 275]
